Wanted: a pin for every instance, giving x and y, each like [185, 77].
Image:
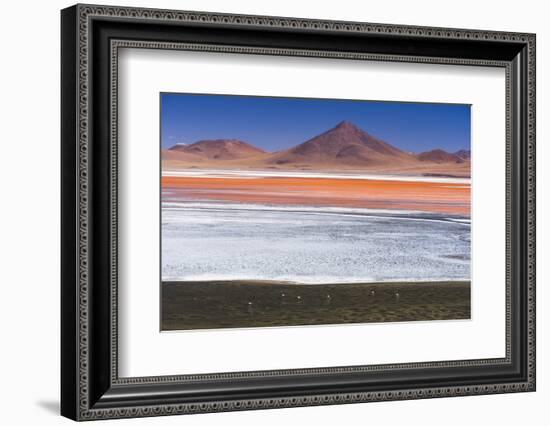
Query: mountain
[343, 147]
[440, 156]
[180, 155]
[465, 154]
[218, 149]
[345, 144]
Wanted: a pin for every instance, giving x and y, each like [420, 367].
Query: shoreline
[267, 282]
[192, 305]
[312, 174]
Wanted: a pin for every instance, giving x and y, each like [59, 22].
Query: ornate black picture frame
[91, 387]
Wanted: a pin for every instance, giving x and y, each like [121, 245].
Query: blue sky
[275, 124]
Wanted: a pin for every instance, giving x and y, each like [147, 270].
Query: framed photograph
[263, 212]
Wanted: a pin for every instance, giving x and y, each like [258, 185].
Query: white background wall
[29, 225]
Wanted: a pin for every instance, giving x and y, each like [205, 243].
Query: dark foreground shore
[235, 304]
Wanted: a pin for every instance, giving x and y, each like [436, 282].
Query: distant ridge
[465, 154]
[440, 156]
[219, 149]
[344, 146]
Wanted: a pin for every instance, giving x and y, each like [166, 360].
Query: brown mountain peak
[220, 149]
[344, 144]
[439, 156]
[346, 125]
[465, 154]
